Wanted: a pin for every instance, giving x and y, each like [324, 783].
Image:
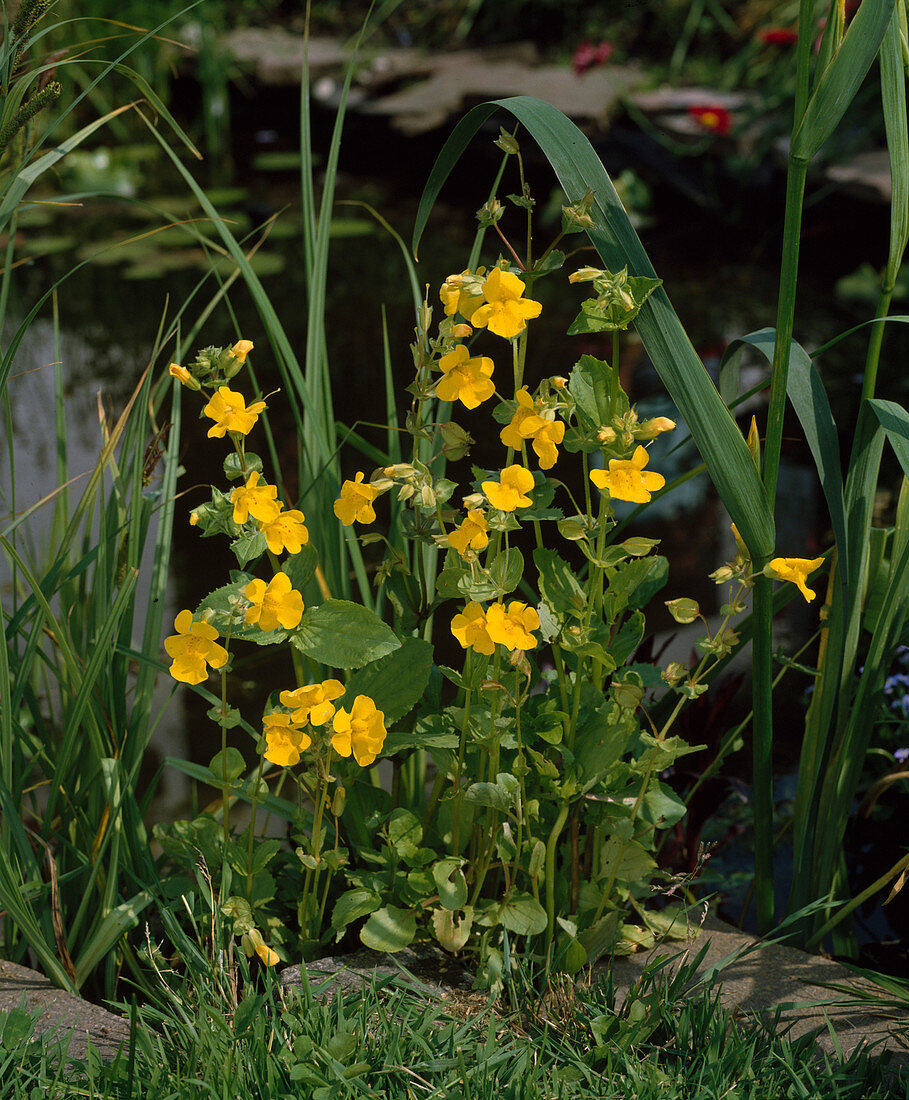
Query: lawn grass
[577, 1040]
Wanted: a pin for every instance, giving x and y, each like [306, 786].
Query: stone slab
[62, 1013]
[772, 975]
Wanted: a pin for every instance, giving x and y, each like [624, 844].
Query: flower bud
[585, 275]
[490, 213]
[650, 429]
[241, 349]
[461, 332]
[672, 673]
[183, 376]
[558, 382]
[607, 435]
[508, 143]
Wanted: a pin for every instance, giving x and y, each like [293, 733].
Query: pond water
[721, 278]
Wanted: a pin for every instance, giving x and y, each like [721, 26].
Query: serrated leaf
[342, 634]
[300, 567]
[228, 765]
[397, 681]
[250, 546]
[234, 469]
[557, 583]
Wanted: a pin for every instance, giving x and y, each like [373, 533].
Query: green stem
[762, 748]
[785, 316]
[874, 344]
[551, 844]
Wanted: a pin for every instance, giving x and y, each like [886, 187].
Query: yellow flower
[512, 627]
[506, 313]
[355, 502]
[230, 414]
[276, 604]
[362, 731]
[241, 349]
[285, 532]
[795, 570]
[466, 380]
[286, 740]
[528, 424]
[625, 479]
[472, 533]
[509, 492]
[192, 648]
[545, 440]
[470, 630]
[462, 294]
[314, 702]
[523, 424]
[253, 499]
[252, 942]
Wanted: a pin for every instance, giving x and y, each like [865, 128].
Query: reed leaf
[837, 85]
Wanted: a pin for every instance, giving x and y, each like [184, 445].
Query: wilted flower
[355, 502]
[795, 570]
[462, 293]
[276, 604]
[627, 480]
[361, 731]
[229, 411]
[466, 379]
[509, 492]
[469, 627]
[192, 648]
[253, 943]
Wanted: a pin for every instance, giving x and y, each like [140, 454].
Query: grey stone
[771, 975]
[424, 969]
[62, 1013]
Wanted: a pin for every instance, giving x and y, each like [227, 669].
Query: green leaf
[248, 547]
[389, 929]
[452, 933]
[589, 385]
[494, 795]
[397, 681]
[521, 914]
[352, 905]
[557, 582]
[579, 170]
[404, 833]
[450, 881]
[228, 765]
[626, 862]
[842, 78]
[234, 469]
[300, 567]
[342, 634]
[246, 1012]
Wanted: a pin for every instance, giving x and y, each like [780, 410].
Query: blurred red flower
[587, 56]
[778, 36]
[711, 117]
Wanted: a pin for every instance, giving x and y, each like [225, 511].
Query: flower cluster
[481, 630]
[359, 732]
